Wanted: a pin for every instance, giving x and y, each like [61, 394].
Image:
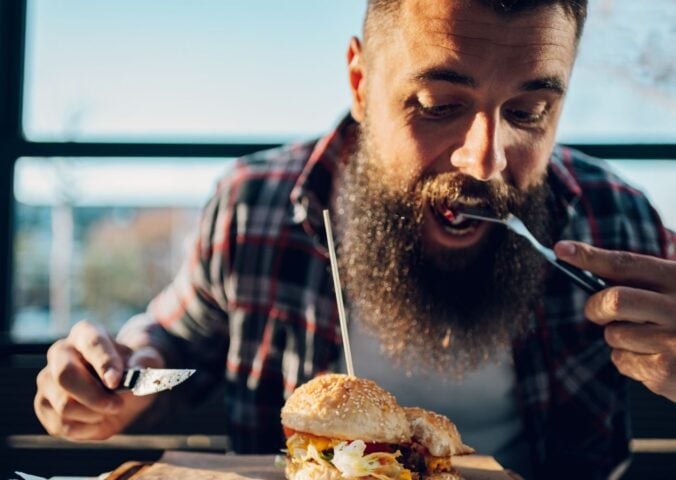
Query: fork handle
[582, 278]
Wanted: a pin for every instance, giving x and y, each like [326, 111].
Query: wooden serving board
[209, 466]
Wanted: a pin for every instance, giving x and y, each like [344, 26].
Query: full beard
[431, 308]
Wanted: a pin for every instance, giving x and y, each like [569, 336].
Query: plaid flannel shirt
[254, 306]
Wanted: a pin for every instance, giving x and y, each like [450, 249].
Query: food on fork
[343, 427]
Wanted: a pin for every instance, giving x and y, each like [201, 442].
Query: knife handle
[129, 378]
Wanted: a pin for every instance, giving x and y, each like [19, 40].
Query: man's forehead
[458, 20]
[435, 32]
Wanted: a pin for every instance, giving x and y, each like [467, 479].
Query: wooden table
[209, 466]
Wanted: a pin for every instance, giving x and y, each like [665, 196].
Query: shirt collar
[312, 191]
[567, 190]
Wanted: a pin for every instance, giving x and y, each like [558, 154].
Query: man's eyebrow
[453, 76]
[554, 84]
[445, 75]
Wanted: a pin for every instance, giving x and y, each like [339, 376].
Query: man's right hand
[72, 401]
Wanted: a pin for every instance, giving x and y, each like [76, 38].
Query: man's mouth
[451, 221]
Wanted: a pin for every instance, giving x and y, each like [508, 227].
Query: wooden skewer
[339, 294]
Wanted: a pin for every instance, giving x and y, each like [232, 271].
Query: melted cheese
[438, 464]
[301, 441]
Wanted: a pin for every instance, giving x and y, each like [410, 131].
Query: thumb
[146, 357]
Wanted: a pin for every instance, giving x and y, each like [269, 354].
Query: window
[131, 109]
[174, 70]
[97, 238]
[623, 88]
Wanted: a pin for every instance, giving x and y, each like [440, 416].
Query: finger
[68, 371]
[627, 268]
[47, 415]
[637, 338]
[654, 369]
[65, 406]
[83, 431]
[630, 305]
[98, 349]
[70, 429]
[43, 408]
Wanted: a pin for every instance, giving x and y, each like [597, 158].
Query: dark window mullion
[12, 51]
[630, 151]
[121, 149]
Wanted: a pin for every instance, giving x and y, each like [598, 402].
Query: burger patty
[414, 456]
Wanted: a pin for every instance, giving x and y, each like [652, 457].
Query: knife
[144, 381]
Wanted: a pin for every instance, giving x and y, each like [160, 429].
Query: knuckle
[614, 335]
[586, 253]
[616, 358]
[665, 367]
[621, 261]
[42, 379]
[613, 301]
[54, 349]
[40, 404]
[64, 406]
[60, 406]
[95, 341]
[106, 363]
[82, 327]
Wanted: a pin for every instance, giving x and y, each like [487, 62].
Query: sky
[179, 70]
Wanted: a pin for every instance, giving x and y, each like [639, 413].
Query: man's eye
[527, 117]
[438, 111]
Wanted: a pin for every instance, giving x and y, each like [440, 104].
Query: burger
[341, 427]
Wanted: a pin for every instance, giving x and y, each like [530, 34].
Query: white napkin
[28, 476]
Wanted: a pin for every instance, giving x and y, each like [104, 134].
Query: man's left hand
[638, 311]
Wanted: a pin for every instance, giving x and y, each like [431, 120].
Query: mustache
[449, 189]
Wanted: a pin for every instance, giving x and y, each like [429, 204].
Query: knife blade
[144, 381]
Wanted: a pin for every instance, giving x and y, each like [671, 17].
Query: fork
[584, 279]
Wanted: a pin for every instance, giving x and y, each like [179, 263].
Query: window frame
[14, 145]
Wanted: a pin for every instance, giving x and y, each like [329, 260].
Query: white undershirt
[482, 405]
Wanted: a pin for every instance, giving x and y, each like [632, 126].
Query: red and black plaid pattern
[254, 304]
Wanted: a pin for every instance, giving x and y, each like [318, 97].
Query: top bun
[346, 408]
[436, 432]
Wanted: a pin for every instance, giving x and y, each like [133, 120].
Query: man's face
[457, 106]
[456, 88]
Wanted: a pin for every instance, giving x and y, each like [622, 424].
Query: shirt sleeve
[188, 321]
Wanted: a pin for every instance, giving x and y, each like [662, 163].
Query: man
[455, 104]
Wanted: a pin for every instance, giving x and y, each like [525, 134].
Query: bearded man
[455, 104]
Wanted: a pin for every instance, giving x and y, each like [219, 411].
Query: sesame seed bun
[436, 432]
[348, 408]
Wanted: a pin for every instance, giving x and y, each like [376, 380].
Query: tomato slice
[371, 447]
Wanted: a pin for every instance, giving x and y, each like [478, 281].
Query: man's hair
[381, 14]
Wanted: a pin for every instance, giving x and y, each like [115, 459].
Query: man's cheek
[526, 171]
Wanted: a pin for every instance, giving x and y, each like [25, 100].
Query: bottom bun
[454, 475]
[311, 471]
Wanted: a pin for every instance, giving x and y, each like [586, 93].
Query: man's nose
[481, 154]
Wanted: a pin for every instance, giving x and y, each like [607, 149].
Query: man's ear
[355, 65]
